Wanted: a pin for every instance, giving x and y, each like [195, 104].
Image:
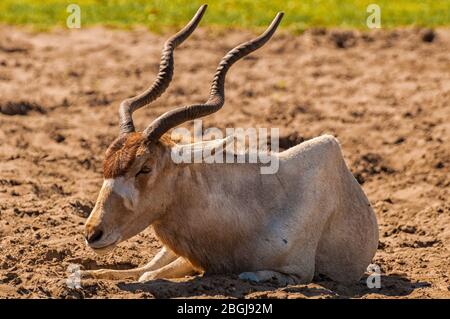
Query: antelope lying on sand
[311, 217]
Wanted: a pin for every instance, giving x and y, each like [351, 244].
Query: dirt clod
[19, 108]
[428, 35]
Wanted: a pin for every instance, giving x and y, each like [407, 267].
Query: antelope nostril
[93, 237]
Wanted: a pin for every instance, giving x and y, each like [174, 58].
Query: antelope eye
[144, 170]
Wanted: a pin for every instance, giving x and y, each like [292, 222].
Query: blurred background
[157, 14]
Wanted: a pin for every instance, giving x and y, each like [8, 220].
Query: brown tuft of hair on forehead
[121, 153]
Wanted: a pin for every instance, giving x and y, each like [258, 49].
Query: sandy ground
[384, 94]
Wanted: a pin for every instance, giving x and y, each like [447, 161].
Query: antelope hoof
[249, 276]
[148, 276]
[87, 274]
[263, 276]
[96, 274]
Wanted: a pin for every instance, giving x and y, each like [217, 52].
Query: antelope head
[139, 175]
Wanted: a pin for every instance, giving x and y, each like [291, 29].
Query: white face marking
[125, 189]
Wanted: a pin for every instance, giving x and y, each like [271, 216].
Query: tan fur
[310, 217]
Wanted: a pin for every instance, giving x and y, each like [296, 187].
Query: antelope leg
[178, 268]
[163, 257]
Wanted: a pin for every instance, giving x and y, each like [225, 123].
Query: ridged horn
[128, 106]
[216, 98]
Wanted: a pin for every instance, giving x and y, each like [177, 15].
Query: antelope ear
[188, 153]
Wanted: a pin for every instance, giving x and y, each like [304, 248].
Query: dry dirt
[384, 94]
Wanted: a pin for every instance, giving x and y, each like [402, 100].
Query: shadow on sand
[231, 286]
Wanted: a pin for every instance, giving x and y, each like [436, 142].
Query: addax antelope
[310, 217]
